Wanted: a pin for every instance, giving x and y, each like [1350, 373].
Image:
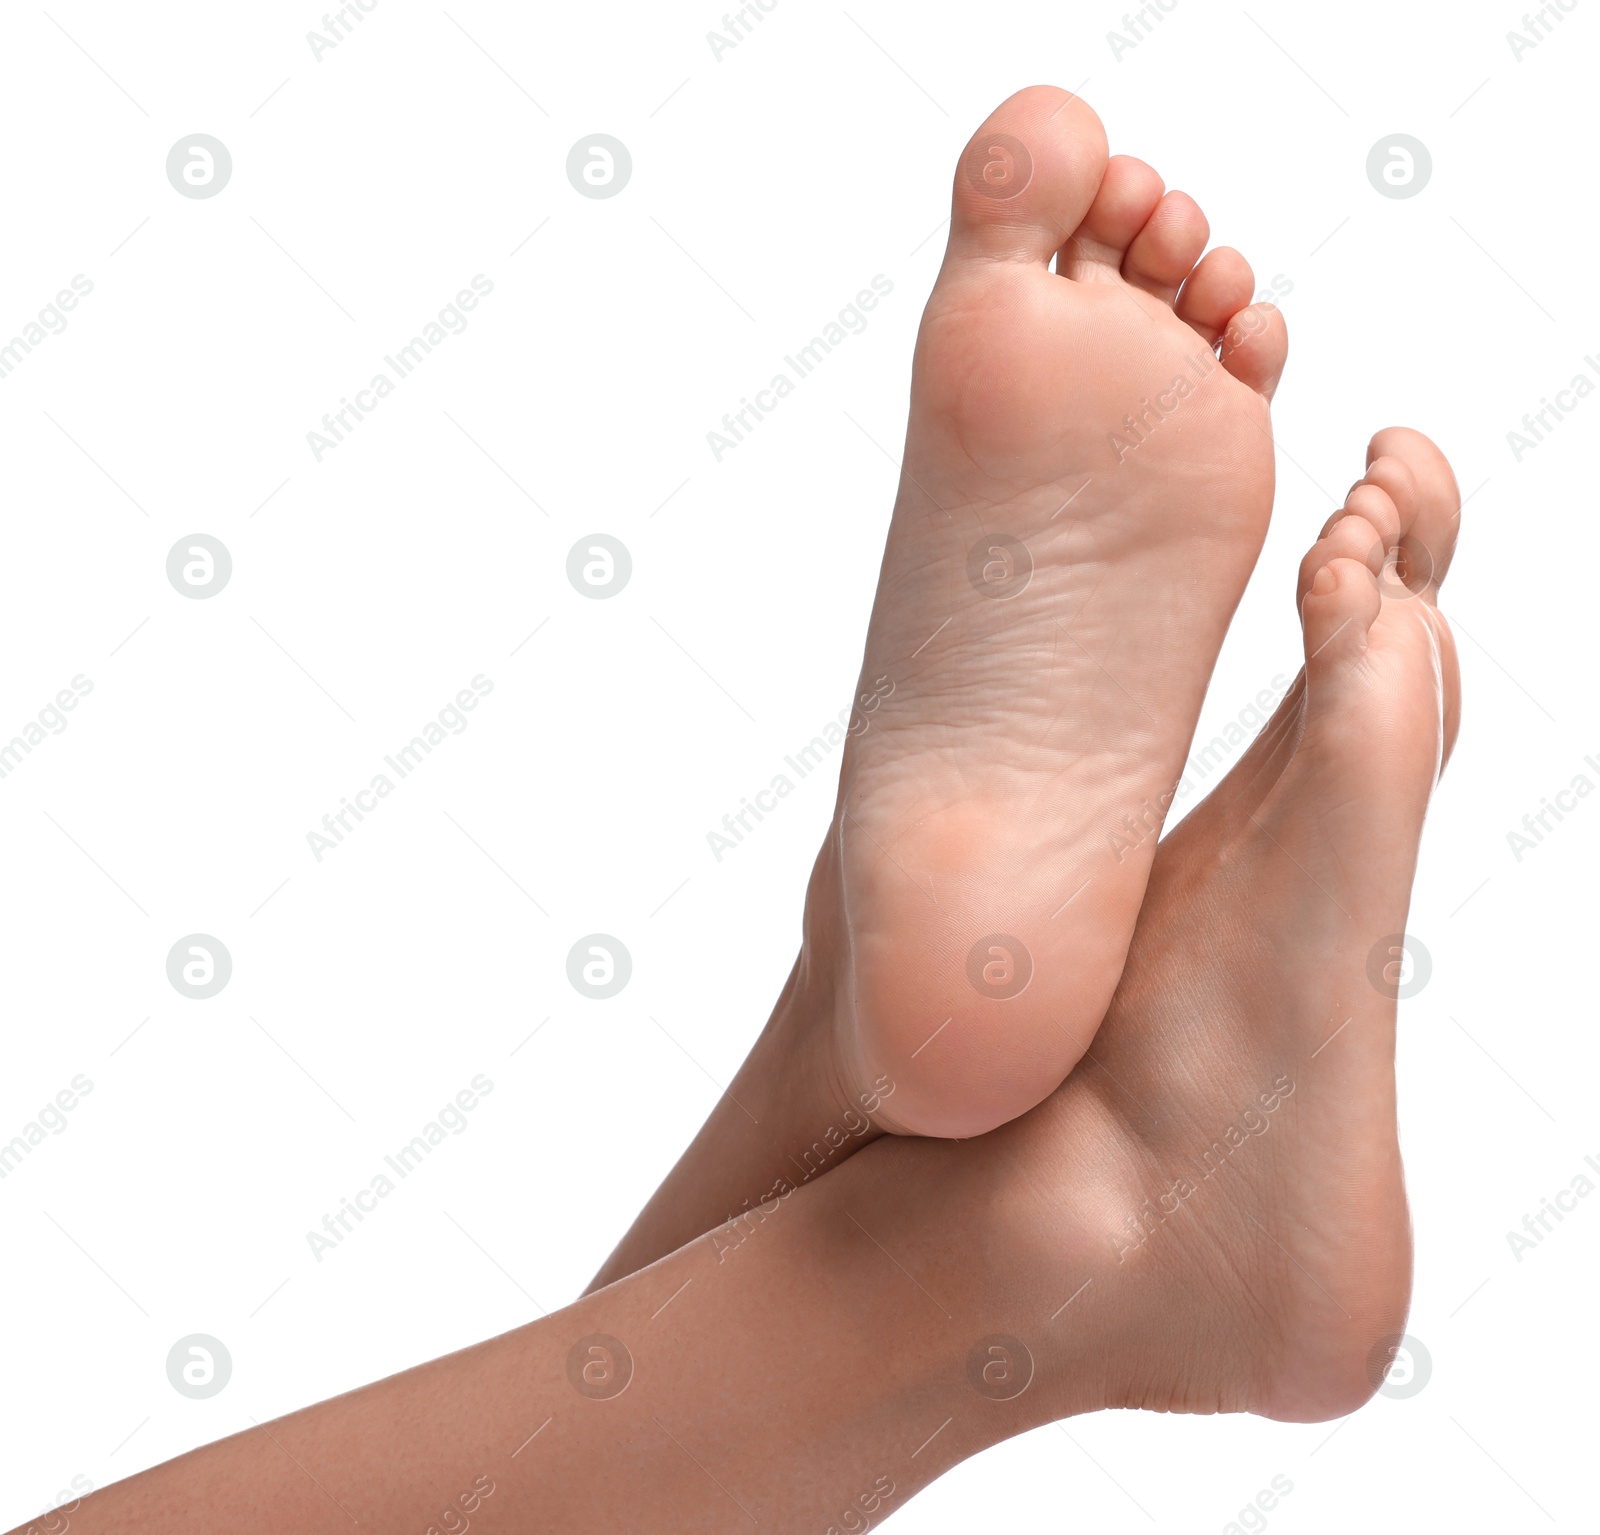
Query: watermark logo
[51, 1119]
[450, 1120]
[199, 966]
[354, 408]
[1236, 733]
[338, 27]
[999, 966]
[1537, 27]
[199, 565]
[599, 1367]
[853, 721]
[736, 27]
[337, 825]
[999, 566]
[199, 1366]
[599, 966]
[599, 566]
[599, 165]
[1399, 1365]
[1135, 830]
[1399, 966]
[1252, 1516]
[1137, 428]
[1399, 165]
[51, 718]
[851, 1125]
[57, 1518]
[1000, 1367]
[1255, 1121]
[1537, 1222]
[850, 1522]
[199, 165]
[754, 408]
[51, 321]
[999, 166]
[1537, 425]
[1536, 825]
[454, 1520]
[1138, 25]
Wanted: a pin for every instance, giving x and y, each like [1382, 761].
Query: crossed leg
[1207, 1216]
[1209, 1213]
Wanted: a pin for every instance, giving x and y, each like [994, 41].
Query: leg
[1085, 489]
[1208, 1216]
[805, 1121]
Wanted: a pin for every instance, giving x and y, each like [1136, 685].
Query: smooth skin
[1087, 480]
[1208, 1216]
[1091, 391]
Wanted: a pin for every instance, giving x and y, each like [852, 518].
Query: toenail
[1324, 581]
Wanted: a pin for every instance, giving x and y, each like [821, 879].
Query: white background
[768, 188]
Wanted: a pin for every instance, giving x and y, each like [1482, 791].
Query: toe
[1418, 477]
[1338, 611]
[1164, 252]
[1122, 207]
[1351, 535]
[1374, 504]
[1027, 177]
[1215, 292]
[1255, 346]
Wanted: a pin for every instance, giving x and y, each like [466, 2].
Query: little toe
[1255, 346]
[1338, 611]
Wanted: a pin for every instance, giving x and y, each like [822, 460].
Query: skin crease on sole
[1087, 481]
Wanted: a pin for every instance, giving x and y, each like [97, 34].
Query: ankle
[814, 1113]
[786, 1117]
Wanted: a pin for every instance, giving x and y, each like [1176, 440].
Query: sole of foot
[1087, 481]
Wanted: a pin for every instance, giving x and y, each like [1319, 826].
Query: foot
[1086, 487]
[1239, 1200]
[1269, 912]
[1208, 1216]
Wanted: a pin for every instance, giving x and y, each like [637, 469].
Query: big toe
[1373, 577]
[1402, 517]
[1027, 177]
[1420, 481]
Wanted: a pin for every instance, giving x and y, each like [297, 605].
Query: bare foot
[1209, 1215]
[1236, 1187]
[1086, 487]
